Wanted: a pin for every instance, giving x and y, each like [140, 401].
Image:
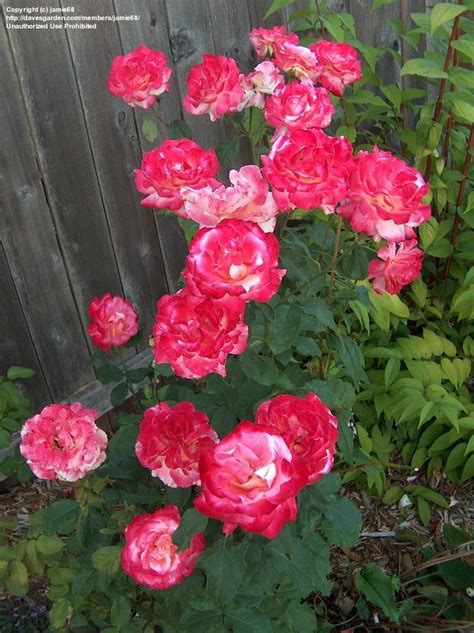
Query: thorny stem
[321, 23]
[335, 252]
[462, 186]
[442, 86]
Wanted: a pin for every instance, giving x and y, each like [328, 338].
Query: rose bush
[277, 293]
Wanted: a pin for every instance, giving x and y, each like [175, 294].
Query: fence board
[64, 155]
[16, 345]
[152, 30]
[112, 133]
[33, 253]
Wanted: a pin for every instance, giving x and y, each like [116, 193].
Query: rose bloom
[214, 87]
[308, 169]
[248, 199]
[170, 442]
[298, 61]
[113, 321]
[176, 163]
[195, 334]
[385, 198]
[139, 77]
[299, 105]
[338, 65]
[235, 258]
[249, 480]
[265, 41]
[63, 442]
[264, 80]
[396, 267]
[309, 429]
[149, 555]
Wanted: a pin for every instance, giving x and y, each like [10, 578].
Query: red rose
[249, 479]
[214, 87]
[385, 197]
[63, 442]
[265, 41]
[299, 105]
[338, 65]
[171, 440]
[298, 61]
[308, 169]
[308, 428]
[151, 558]
[234, 258]
[195, 334]
[396, 267]
[113, 321]
[171, 166]
[139, 77]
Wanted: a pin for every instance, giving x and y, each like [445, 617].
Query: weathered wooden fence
[71, 226]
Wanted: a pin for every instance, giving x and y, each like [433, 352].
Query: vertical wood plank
[54, 108]
[16, 346]
[116, 152]
[33, 253]
[152, 30]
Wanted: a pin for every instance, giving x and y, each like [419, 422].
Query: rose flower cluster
[250, 478]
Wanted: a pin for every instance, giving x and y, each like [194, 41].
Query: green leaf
[350, 355]
[120, 612]
[192, 522]
[60, 517]
[224, 570]
[261, 369]
[295, 559]
[109, 373]
[424, 511]
[356, 264]
[179, 129]
[463, 109]
[379, 589]
[14, 373]
[248, 621]
[444, 12]
[18, 573]
[464, 46]
[107, 559]
[138, 375]
[376, 4]
[194, 621]
[60, 611]
[392, 369]
[285, 328]
[275, 6]
[119, 394]
[319, 309]
[149, 129]
[48, 545]
[423, 68]
[228, 150]
[343, 522]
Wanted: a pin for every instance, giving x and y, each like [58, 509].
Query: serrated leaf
[286, 327]
[107, 559]
[120, 612]
[228, 150]
[179, 129]
[392, 369]
[149, 129]
[192, 522]
[224, 570]
[60, 611]
[60, 517]
[108, 373]
[248, 621]
[344, 522]
[119, 394]
[379, 589]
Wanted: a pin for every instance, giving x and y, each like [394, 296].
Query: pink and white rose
[396, 266]
[63, 442]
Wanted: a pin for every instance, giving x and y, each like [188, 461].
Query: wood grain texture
[33, 253]
[152, 30]
[16, 344]
[56, 117]
[112, 134]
